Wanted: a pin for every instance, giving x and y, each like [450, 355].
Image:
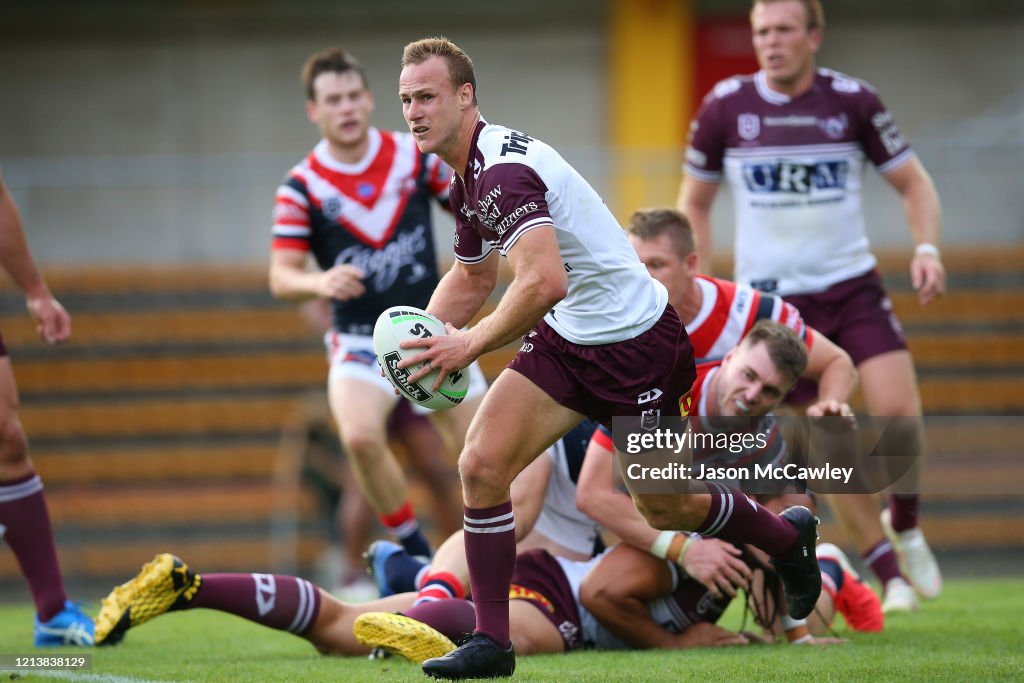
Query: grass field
[973, 633]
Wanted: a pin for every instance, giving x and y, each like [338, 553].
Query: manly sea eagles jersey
[374, 214]
[513, 184]
[795, 167]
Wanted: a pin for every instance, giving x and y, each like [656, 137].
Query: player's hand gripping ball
[399, 324]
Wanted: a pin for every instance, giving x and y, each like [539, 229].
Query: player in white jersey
[593, 318]
[359, 204]
[792, 140]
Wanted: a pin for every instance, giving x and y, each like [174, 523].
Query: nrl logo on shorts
[748, 126]
[650, 419]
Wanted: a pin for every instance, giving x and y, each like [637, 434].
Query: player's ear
[465, 95]
[690, 261]
[815, 37]
[311, 112]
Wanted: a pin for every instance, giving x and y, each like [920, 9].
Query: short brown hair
[813, 9]
[460, 66]
[649, 224]
[786, 349]
[329, 60]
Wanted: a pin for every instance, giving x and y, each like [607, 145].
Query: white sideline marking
[95, 678]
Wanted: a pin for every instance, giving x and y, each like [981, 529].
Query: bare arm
[832, 368]
[53, 324]
[539, 282]
[923, 210]
[463, 290]
[695, 200]
[710, 561]
[617, 591]
[289, 278]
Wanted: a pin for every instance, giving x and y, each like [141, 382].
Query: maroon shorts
[644, 375]
[857, 315]
[539, 580]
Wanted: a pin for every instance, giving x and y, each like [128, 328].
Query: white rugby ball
[402, 323]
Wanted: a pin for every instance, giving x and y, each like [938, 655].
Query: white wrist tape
[660, 546]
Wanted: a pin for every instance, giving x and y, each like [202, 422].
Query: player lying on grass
[750, 382]
[544, 496]
[550, 607]
[555, 514]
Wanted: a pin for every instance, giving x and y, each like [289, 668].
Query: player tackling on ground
[594, 320]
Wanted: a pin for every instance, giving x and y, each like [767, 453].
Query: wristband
[660, 546]
[927, 248]
[686, 546]
[802, 639]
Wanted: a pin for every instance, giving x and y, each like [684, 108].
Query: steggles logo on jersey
[382, 266]
[748, 126]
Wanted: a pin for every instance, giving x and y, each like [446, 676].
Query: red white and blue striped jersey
[729, 310]
[373, 214]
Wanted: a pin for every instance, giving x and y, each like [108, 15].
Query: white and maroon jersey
[514, 183]
[374, 214]
[795, 167]
[559, 519]
[729, 310]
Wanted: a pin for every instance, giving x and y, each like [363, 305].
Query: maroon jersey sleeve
[706, 147]
[511, 202]
[469, 245]
[882, 141]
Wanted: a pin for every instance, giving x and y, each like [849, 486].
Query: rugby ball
[402, 323]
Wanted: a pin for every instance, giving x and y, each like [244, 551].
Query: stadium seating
[159, 426]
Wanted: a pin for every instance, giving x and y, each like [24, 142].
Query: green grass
[974, 632]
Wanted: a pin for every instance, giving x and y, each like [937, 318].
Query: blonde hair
[460, 66]
[813, 9]
[649, 224]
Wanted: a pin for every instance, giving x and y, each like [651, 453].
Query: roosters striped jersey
[373, 214]
[729, 310]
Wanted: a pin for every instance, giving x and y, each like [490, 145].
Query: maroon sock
[25, 526]
[734, 517]
[490, 535]
[286, 603]
[454, 618]
[903, 511]
[881, 558]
